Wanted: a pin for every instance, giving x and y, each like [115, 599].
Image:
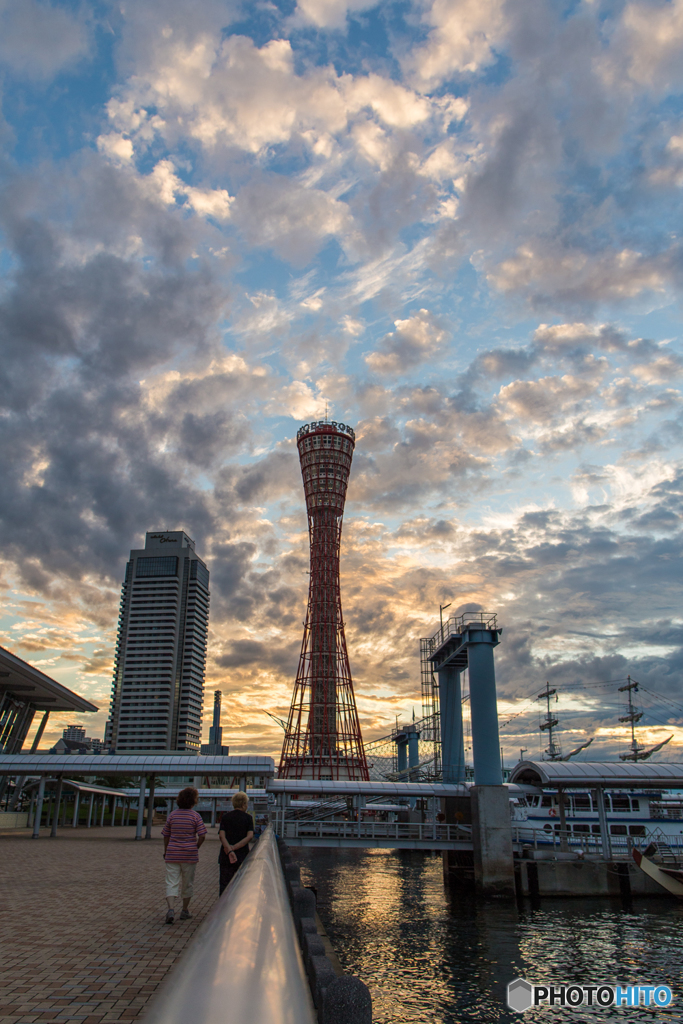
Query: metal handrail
[385, 830]
[244, 964]
[455, 625]
[590, 844]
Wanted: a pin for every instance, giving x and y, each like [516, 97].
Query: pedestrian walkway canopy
[84, 787]
[136, 764]
[604, 774]
[22, 681]
[167, 793]
[343, 788]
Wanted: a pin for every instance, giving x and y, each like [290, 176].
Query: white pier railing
[415, 835]
[244, 963]
[621, 847]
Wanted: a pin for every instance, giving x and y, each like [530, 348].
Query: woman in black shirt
[235, 833]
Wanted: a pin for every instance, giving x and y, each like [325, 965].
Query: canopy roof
[84, 787]
[611, 774]
[27, 683]
[342, 788]
[135, 764]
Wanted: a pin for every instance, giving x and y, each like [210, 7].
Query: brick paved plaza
[82, 933]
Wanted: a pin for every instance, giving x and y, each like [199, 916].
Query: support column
[22, 724]
[452, 736]
[402, 756]
[491, 827]
[561, 800]
[213, 812]
[39, 808]
[92, 801]
[39, 735]
[104, 806]
[413, 750]
[77, 807]
[604, 824]
[492, 841]
[58, 803]
[34, 746]
[32, 809]
[150, 809]
[484, 709]
[141, 807]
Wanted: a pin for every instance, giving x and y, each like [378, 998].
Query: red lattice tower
[323, 738]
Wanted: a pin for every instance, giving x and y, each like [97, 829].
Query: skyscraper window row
[165, 589]
[166, 594]
[164, 565]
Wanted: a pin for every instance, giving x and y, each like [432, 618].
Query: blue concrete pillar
[483, 707]
[413, 747]
[402, 754]
[452, 740]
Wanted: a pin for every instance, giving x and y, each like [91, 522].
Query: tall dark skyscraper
[158, 686]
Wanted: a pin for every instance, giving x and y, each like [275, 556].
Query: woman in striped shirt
[184, 832]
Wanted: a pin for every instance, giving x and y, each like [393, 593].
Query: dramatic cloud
[452, 224]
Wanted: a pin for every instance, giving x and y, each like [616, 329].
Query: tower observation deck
[323, 738]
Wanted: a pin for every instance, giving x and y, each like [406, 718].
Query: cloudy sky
[455, 222]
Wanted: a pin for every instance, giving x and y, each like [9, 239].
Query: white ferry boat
[633, 812]
[639, 814]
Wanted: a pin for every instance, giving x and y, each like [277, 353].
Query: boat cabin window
[618, 830]
[547, 801]
[582, 801]
[635, 805]
[582, 828]
[595, 829]
[636, 830]
[621, 803]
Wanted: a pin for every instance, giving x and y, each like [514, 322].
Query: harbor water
[432, 954]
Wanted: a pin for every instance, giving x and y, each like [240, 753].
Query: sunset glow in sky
[456, 223]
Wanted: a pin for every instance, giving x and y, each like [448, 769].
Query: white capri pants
[177, 873]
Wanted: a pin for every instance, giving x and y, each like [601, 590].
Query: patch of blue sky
[263, 21]
[364, 42]
[54, 119]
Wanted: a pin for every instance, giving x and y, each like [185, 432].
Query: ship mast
[553, 751]
[636, 752]
[550, 722]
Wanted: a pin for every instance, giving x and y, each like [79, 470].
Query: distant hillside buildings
[158, 685]
[74, 741]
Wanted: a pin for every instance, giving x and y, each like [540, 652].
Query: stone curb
[339, 998]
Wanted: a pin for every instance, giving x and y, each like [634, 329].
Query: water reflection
[432, 953]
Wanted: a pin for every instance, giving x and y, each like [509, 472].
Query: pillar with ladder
[323, 738]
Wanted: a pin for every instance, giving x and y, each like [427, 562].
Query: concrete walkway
[82, 933]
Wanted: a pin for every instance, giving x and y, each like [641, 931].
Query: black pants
[227, 871]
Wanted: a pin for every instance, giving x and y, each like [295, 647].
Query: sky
[456, 225]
